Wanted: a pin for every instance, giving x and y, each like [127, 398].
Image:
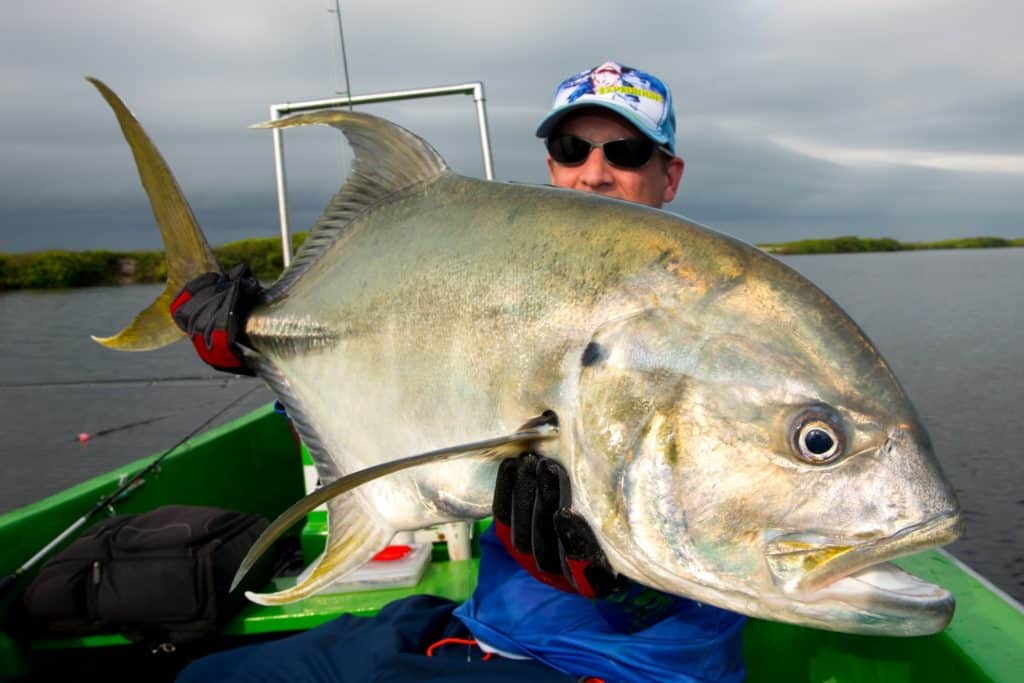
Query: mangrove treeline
[850, 245]
[63, 269]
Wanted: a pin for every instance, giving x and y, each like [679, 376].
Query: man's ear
[673, 174]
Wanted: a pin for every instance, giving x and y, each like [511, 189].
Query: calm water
[950, 323]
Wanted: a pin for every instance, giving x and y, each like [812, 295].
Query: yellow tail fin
[187, 251]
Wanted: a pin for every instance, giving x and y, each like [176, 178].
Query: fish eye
[818, 436]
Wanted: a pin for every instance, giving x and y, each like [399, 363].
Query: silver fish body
[731, 435]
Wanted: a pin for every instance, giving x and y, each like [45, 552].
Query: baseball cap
[637, 96]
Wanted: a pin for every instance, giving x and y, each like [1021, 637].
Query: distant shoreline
[855, 245]
[67, 269]
[57, 269]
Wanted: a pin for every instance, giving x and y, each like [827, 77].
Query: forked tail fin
[186, 249]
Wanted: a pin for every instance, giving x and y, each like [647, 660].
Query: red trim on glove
[219, 355]
[182, 298]
[579, 577]
[528, 562]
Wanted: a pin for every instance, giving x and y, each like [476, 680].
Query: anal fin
[353, 540]
[354, 536]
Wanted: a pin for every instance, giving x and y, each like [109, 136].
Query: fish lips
[811, 568]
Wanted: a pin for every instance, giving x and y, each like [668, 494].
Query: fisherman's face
[655, 183]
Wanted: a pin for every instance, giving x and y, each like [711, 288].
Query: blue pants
[388, 647]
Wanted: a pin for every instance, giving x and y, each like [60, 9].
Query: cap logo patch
[641, 98]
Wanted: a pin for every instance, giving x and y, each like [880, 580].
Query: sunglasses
[570, 150]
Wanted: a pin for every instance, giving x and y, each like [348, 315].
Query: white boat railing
[278, 111]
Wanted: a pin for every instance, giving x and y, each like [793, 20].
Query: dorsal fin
[389, 159]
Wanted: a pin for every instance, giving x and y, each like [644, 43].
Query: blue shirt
[513, 612]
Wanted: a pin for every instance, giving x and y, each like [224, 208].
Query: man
[632, 113]
[545, 591]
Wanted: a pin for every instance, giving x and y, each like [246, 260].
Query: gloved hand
[533, 520]
[211, 309]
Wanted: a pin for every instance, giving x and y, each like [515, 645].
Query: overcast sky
[796, 119]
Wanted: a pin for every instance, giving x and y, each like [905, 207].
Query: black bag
[158, 577]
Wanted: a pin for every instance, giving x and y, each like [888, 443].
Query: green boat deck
[253, 464]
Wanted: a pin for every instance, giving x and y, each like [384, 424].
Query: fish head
[757, 453]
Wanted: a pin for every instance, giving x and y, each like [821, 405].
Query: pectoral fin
[359, 542]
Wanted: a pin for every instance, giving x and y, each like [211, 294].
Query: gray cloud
[796, 119]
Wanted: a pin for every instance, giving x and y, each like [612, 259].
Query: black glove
[211, 309]
[533, 520]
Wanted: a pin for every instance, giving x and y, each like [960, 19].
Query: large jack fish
[730, 434]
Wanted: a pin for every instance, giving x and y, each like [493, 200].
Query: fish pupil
[818, 441]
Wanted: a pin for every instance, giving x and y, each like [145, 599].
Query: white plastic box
[383, 574]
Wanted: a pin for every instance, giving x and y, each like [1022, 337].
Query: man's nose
[595, 172]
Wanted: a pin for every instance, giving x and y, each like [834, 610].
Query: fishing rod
[127, 487]
[85, 437]
[344, 60]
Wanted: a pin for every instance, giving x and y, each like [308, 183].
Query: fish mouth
[812, 568]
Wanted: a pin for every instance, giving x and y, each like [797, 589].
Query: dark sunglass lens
[631, 153]
[568, 149]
